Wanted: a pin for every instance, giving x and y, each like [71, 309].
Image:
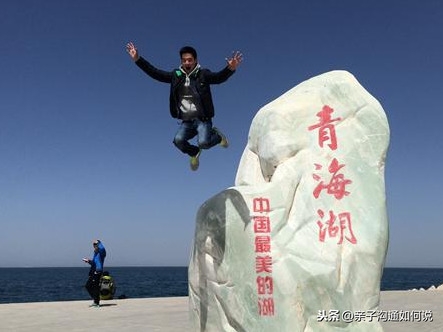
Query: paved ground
[155, 314]
[413, 302]
[171, 314]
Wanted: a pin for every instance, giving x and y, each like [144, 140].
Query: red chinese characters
[337, 183]
[326, 128]
[262, 244]
[263, 264]
[262, 224]
[333, 227]
[263, 259]
[265, 285]
[334, 184]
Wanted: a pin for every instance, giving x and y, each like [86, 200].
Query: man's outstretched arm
[155, 73]
[232, 63]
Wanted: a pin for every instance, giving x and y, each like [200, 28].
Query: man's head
[95, 244]
[188, 58]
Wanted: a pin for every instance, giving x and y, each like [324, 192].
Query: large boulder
[300, 242]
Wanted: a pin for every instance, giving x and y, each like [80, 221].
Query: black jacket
[200, 81]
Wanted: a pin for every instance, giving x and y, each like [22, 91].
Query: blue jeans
[206, 139]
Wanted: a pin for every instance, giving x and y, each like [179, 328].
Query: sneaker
[94, 305]
[194, 160]
[224, 141]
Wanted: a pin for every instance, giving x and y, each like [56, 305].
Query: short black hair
[188, 49]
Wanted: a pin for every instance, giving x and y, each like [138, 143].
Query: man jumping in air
[190, 99]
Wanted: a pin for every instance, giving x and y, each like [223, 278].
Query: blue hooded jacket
[98, 260]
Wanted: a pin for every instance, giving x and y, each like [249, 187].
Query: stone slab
[171, 314]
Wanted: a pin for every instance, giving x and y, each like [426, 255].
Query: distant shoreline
[165, 266]
[85, 266]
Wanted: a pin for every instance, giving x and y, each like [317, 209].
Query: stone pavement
[153, 314]
[171, 314]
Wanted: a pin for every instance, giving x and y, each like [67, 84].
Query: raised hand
[132, 51]
[234, 60]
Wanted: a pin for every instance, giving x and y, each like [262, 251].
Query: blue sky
[86, 137]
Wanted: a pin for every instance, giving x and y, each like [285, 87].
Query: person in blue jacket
[95, 272]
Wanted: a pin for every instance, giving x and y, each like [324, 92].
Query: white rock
[304, 232]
